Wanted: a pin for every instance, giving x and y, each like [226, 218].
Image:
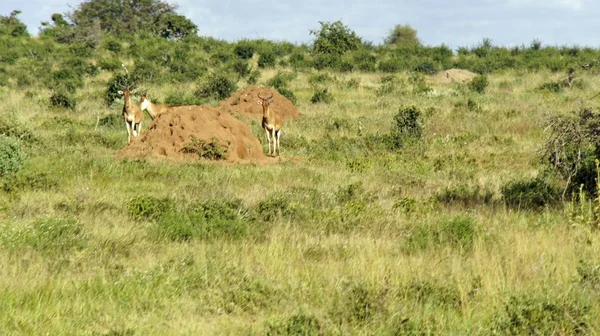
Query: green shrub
[253, 77]
[321, 96]
[266, 59]
[320, 78]
[537, 315]
[408, 123]
[183, 98]
[10, 126]
[149, 207]
[109, 64]
[281, 80]
[116, 84]
[217, 86]
[11, 155]
[241, 68]
[62, 100]
[278, 205]
[23, 181]
[551, 86]
[479, 84]
[210, 150]
[426, 67]
[289, 94]
[334, 38]
[530, 194]
[244, 50]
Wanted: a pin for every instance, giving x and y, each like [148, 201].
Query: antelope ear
[120, 92]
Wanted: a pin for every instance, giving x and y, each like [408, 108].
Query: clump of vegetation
[297, 324]
[478, 84]
[62, 101]
[321, 96]
[551, 86]
[530, 194]
[334, 38]
[12, 156]
[280, 83]
[210, 150]
[149, 207]
[408, 123]
[464, 195]
[542, 315]
[217, 86]
[276, 206]
[57, 233]
[267, 59]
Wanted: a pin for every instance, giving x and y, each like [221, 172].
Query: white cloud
[574, 5]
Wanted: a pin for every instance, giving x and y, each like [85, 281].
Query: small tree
[11, 25]
[334, 38]
[403, 35]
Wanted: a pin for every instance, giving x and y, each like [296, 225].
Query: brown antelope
[153, 109]
[271, 122]
[132, 114]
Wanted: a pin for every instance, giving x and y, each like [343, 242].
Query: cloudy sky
[455, 23]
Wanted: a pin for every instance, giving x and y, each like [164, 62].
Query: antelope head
[144, 102]
[265, 101]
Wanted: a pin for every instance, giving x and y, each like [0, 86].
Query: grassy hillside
[351, 233]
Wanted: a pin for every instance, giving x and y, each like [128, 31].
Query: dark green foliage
[24, 181]
[334, 38]
[11, 127]
[458, 232]
[589, 274]
[426, 67]
[217, 86]
[478, 84]
[359, 303]
[112, 121]
[253, 77]
[321, 96]
[402, 35]
[183, 98]
[530, 194]
[278, 205]
[281, 80]
[109, 64]
[289, 94]
[62, 100]
[542, 315]
[173, 26]
[390, 65]
[11, 155]
[266, 59]
[149, 207]
[241, 67]
[122, 17]
[113, 45]
[116, 84]
[210, 150]
[464, 195]
[297, 324]
[408, 123]
[12, 26]
[244, 50]
[551, 86]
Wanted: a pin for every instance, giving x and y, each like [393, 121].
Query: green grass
[347, 235]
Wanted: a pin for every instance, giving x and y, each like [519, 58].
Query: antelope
[132, 114]
[153, 109]
[271, 122]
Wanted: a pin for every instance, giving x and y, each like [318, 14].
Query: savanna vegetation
[405, 203]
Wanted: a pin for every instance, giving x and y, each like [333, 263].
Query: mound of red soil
[245, 102]
[172, 131]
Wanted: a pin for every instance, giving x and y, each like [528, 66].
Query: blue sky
[455, 23]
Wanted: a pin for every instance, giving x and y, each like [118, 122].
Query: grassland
[344, 236]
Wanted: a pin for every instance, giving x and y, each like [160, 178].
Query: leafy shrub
[253, 77]
[217, 86]
[334, 38]
[326, 61]
[426, 67]
[11, 155]
[320, 78]
[464, 195]
[266, 59]
[183, 98]
[62, 100]
[29, 181]
[297, 324]
[321, 96]
[289, 94]
[281, 80]
[278, 205]
[244, 50]
[149, 207]
[210, 150]
[478, 84]
[109, 64]
[408, 123]
[458, 232]
[530, 194]
[241, 68]
[116, 84]
[10, 126]
[388, 85]
[537, 315]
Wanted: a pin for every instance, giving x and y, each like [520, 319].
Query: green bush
[281, 80]
[253, 77]
[149, 207]
[276, 206]
[551, 86]
[478, 84]
[244, 50]
[408, 123]
[321, 96]
[426, 67]
[11, 155]
[530, 194]
[10, 126]
[62, 100]
[334, 38]
[538, 315]
[266, 59]
[217, 86]
[23, 181]
[241, 68]
[289, 94]
[116, 84]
